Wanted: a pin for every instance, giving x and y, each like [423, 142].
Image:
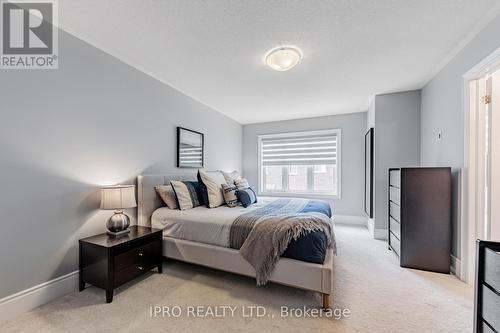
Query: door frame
[469, 186]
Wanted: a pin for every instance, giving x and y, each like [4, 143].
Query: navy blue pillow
[197, 188]
[203, 191]
[247, 197]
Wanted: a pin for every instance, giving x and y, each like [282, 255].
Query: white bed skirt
[290, 272]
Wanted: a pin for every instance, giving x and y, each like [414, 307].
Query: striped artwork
[189, 148]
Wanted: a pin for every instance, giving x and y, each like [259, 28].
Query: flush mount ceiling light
[283, 58]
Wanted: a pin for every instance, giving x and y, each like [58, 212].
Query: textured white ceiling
[213, 50]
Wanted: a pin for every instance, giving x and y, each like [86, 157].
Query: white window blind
[314, 149]
[300, 163]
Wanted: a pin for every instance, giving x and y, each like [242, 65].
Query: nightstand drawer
[130, 273]
[136, 255]
[492, 268]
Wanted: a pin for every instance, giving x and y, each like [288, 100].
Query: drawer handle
[140, 254]
[140, 268]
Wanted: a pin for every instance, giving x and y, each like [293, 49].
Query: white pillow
[213, 180]
[231, 177]
[241, 183]
[167, 194]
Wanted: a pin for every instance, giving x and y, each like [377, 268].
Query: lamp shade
[118, 197]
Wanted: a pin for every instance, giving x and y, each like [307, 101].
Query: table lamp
[117, 198]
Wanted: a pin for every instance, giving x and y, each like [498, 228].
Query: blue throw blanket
[242, 226]
[264, 234]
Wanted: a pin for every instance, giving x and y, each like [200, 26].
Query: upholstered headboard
[147, 199]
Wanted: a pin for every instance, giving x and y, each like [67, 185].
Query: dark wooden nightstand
[108, 262]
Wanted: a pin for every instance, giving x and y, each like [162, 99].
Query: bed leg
[326, 301]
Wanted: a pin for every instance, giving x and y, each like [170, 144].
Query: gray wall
[442, 110]
[65, 132]
[370, 115]
[353, 135]
[397, 143]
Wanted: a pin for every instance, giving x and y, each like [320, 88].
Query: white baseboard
[375, 232]
[455, 266]
[370, 224]
[349, 219]
[380, 234]
[33, 297]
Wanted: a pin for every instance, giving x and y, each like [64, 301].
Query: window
[300, 163]
[320, 168]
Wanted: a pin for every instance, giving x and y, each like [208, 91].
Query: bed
[201, 236]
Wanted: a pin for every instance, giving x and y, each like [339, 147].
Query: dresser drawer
[394, 194]
[395, 178]
[486, 328]
[395, 244]
[395, 211]
[492, 269]
[491, 308]
[395, 227]
[136, 255]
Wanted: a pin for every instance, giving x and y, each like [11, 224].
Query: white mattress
[201, 224]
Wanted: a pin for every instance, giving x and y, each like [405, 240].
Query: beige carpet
[381, 296]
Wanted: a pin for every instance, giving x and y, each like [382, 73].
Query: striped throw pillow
[187, 193]
[247, 197]
[230, 195]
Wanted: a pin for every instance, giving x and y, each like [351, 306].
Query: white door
[481, 164]
[481, 189]
[493, 225]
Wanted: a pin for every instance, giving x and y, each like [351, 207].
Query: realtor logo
[29, 38]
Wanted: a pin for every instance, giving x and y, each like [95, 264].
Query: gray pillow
[167, 194]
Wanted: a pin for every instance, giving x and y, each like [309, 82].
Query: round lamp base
[118, 224]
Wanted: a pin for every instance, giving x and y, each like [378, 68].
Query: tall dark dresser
[487, 287]
[420, 217]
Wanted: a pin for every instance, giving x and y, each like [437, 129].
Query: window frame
[260, 189]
